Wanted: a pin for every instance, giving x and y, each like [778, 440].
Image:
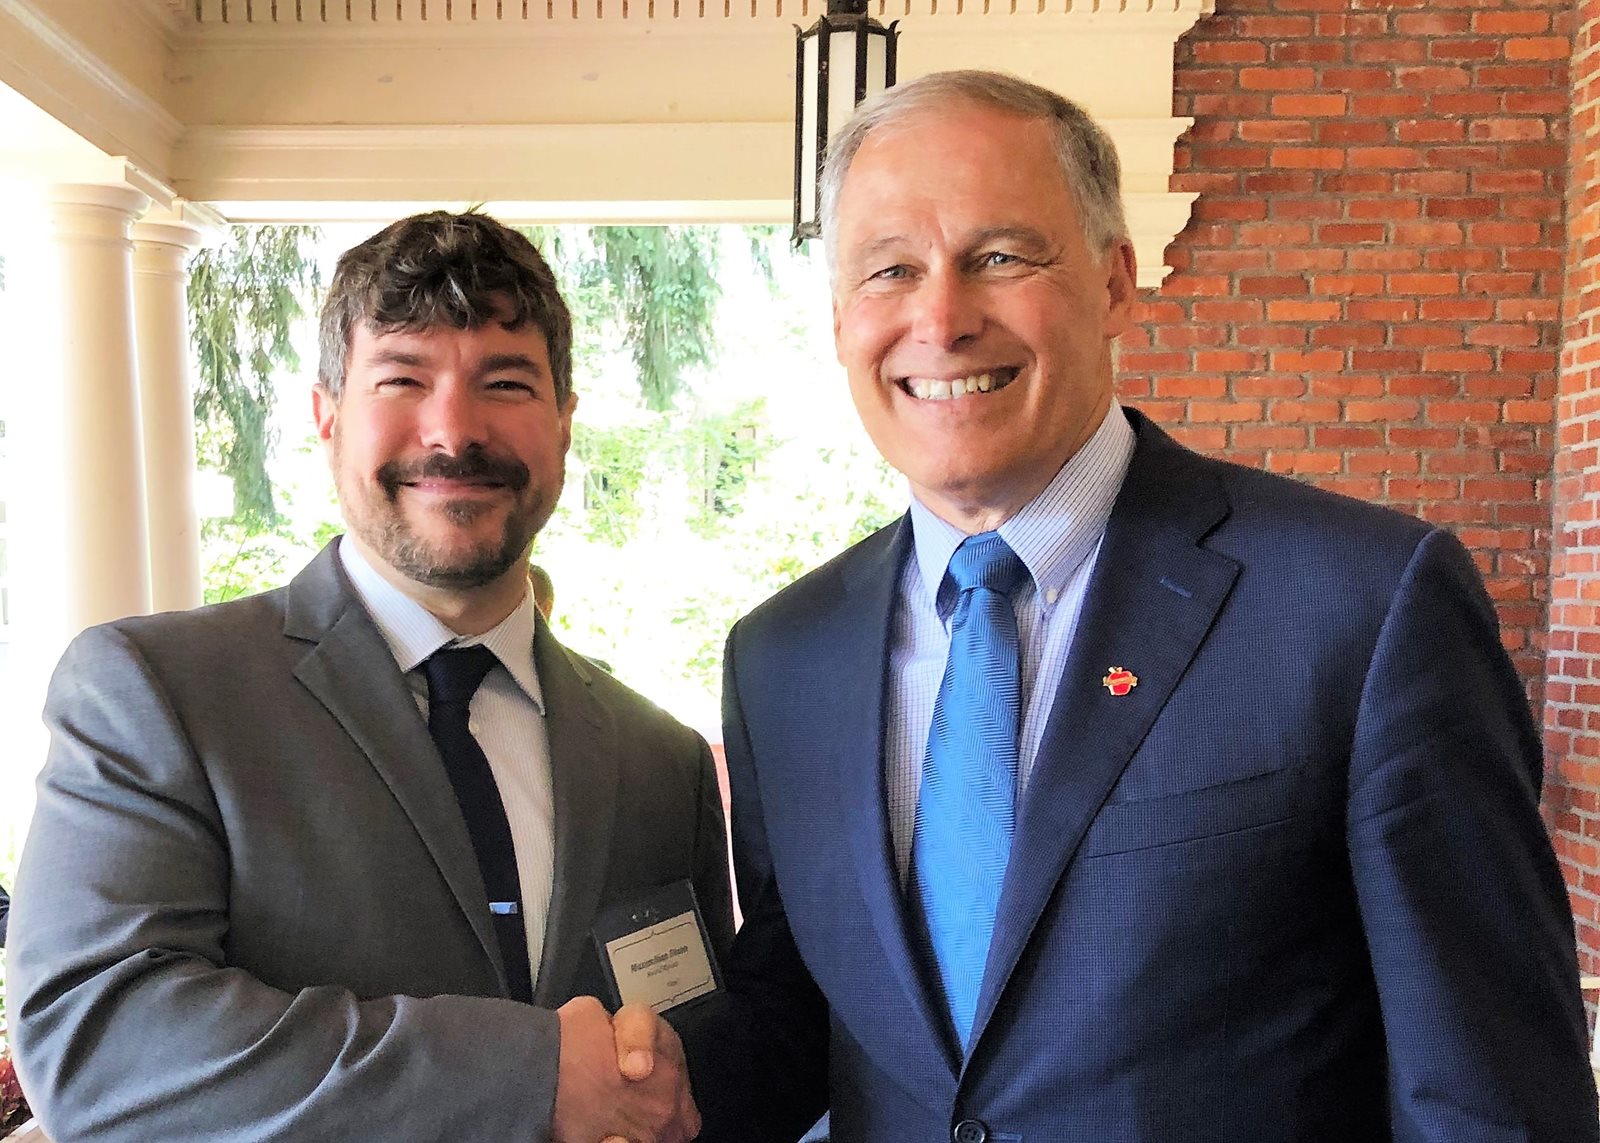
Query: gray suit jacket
[248, 906]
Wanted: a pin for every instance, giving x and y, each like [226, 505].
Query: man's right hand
[620, 1084]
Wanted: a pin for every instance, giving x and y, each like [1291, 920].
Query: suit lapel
[583, 772]
[352, 672]
[858, 649]
[1152, 597]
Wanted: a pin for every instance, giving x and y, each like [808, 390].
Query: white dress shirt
[506, 717]
[1057, 536]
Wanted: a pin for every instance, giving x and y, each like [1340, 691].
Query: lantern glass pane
[808, 131]
[842, 79]
[877, 64]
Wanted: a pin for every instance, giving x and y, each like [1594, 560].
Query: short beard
[413, 558]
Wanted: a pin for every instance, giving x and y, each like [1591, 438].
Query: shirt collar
[413, 632]
[1055, 531]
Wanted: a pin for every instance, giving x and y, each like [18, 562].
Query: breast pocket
[1193, 815]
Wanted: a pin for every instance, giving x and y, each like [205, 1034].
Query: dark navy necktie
[454, 675]
[966, 807]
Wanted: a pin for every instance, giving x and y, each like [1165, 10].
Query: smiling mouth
[448, 486]
[942, 389]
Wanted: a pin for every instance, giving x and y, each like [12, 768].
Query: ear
[324, 411]
[836, 323]
[568, 407]
[1122, 288]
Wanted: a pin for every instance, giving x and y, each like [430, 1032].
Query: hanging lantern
[838, 61]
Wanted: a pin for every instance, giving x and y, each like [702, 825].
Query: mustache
[474, 464]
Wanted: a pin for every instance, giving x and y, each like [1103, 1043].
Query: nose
[453, 418]
[946, 308]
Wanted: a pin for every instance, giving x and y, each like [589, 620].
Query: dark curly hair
[441, 269]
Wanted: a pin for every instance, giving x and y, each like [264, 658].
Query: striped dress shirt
[1057, 535]
[506, 717]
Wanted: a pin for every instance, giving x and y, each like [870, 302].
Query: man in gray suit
[254, 900]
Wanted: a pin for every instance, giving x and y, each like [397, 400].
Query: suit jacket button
[970, 1131]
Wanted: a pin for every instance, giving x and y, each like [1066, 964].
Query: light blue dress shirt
[1057, 535]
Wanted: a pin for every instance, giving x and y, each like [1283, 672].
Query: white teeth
[925, 389]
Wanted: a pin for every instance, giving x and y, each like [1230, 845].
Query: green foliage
[246, 556]
[693, 465]
[656, 284]
[244, 297]
[615, 463]
[721, 453]
[664, 281]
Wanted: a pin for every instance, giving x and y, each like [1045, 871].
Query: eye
[398, 382]
[999, 258]
[511, 385]
[890, 274]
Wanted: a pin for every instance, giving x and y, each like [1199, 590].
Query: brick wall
[1369, 295]
[1572, 711]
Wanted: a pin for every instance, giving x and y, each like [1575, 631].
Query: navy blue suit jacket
[1294, 885]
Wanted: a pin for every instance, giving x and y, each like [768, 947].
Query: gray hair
[460, 271]
[1084, 152]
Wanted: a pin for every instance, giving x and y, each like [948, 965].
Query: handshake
[620, 1079]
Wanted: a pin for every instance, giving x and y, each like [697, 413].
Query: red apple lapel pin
[1119, 681]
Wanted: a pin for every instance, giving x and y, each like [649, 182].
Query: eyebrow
[494, 363]
[500, 362]
[395, 357]
[1025, 236]
[1022, 235]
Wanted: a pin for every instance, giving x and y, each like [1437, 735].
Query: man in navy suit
[1271, 865]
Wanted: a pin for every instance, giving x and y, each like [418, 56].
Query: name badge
[654, 949]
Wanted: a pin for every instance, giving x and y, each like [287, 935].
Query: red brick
[1430, 131]
[1307, 51]
[1389, 105]
[1277, 79]
[1455, 51]
[1392, 410]
[1230, 51]
[1538, 48]
[1344, 133]
[1500, 130]
[1457, 309]
[1434, 78]
[1308, 158]
[1466, 103]
[1272, 286]
[1514, 22]
[1276, 131]
[1300, 105]
[1287, 310]
[1433, 24]
[1424, 283]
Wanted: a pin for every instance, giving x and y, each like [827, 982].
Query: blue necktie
[454, 675]
[966, 808]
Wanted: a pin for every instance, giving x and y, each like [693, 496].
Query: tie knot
[454, 673]
[985, 560]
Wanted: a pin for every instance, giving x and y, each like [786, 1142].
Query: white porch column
[161, 250]
[79, 435]
[77, 547]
